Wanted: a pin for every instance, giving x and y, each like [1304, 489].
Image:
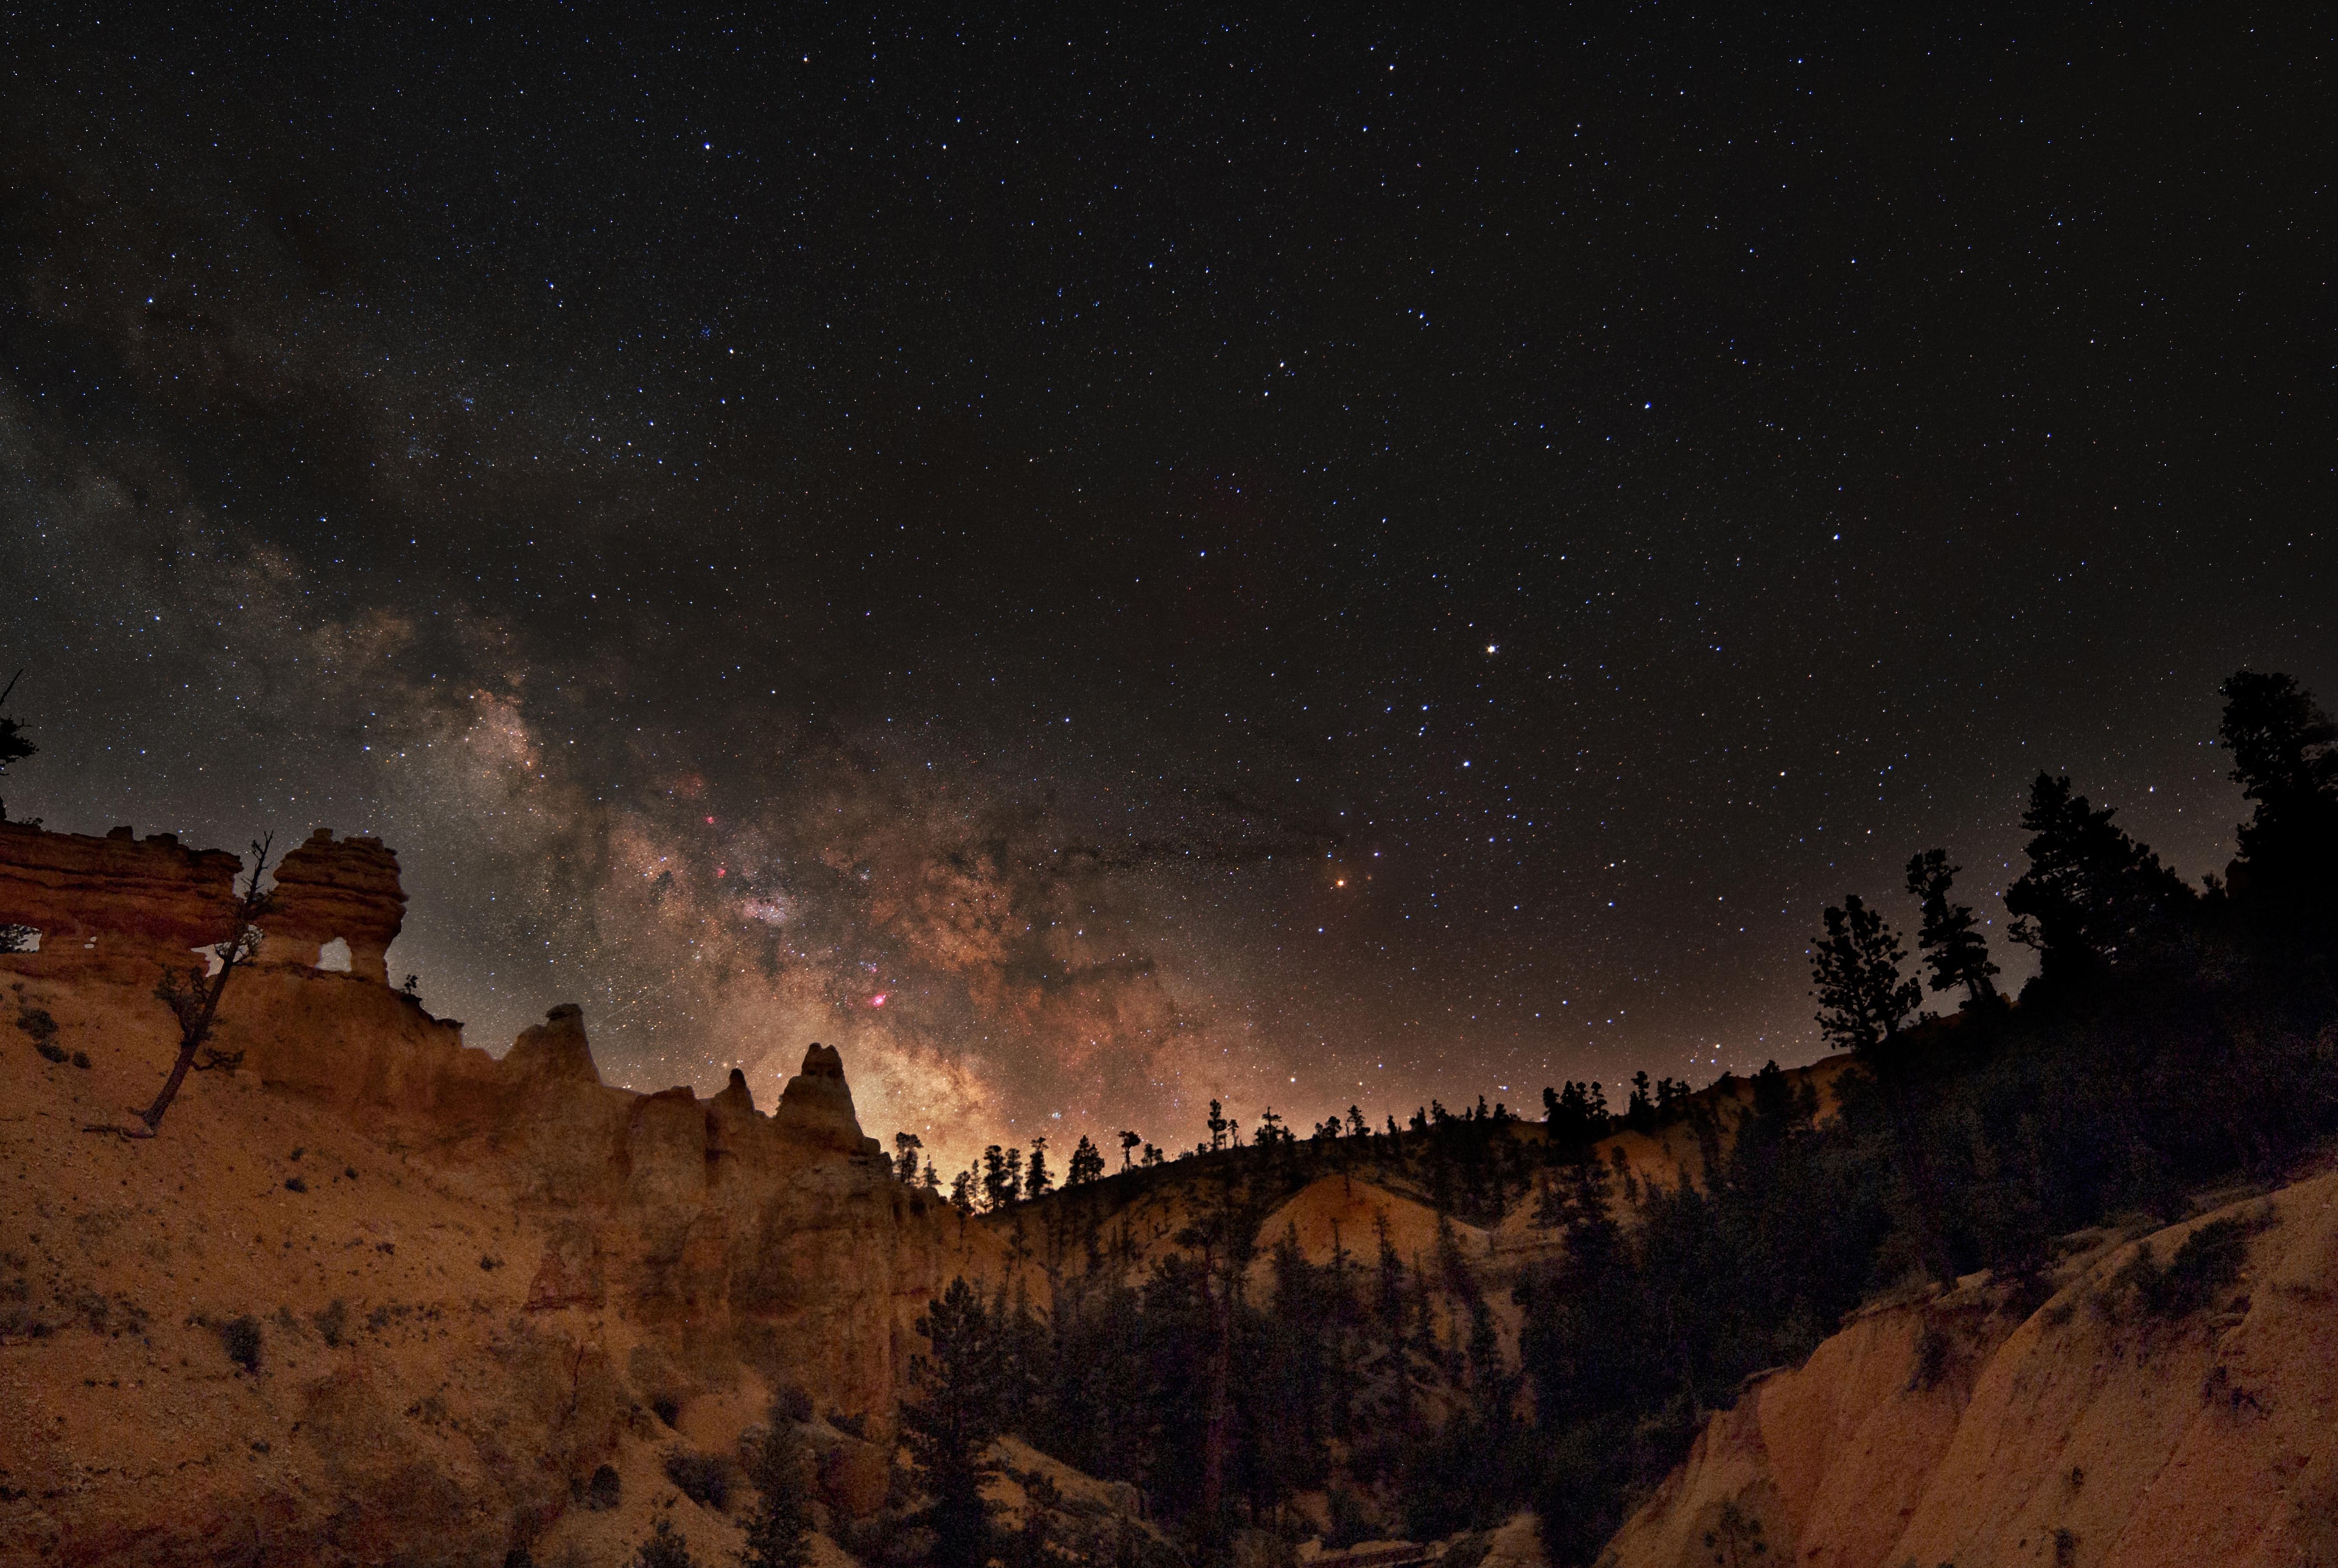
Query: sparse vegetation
[2204, 1266]
[42, 1029]
[603, 1490]
[332, 1322]
[666, 1547]
[239, 1337]
[704, 1478]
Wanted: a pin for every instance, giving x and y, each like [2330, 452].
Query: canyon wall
[504, 1273]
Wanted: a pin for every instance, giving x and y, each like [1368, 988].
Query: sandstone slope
[1956, 1429]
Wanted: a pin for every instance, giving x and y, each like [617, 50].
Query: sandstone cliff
[458, 1285]
[2096, 1429]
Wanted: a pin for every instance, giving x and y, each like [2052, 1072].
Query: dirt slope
[2095, 1430]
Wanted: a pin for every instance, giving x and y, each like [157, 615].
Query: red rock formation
[816, 1106]
[325, 891]
[118, 898]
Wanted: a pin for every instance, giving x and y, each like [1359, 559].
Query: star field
[1308, 562]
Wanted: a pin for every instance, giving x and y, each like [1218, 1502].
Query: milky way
[1313, 567]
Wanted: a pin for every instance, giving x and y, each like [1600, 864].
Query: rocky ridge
[377, 1291]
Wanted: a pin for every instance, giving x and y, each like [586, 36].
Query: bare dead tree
[193, 995]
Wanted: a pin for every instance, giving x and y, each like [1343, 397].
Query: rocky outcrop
[816, 1106]
[1956, 1429]
[326, 892]
[118, 899]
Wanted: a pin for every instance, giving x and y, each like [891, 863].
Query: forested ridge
[2173, 1037]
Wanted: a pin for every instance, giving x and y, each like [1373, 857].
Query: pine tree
[1855, 965]
[905, 1157]
[952, 1421]
[1128, 1140]
[1087, 1163]
[2284, 752]
[997, 1188]
[1862, 1001]
[1040, 1178]
[14, 745]
[2092, 895]
[1950, 939]
[779, 1531]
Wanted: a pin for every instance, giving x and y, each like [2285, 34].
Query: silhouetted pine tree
[2092, 895]
[2285, 753]
[1950, 938]
[951, 1422]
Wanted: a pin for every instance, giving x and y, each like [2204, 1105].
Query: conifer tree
[14, 745]
[779, 1531]
[2284, 754]
[951, 1422]
[1950, 939]
[1087, 1163]
[2091, 895]
[1128, 1140]
[1040, 1178]
[1855, 965]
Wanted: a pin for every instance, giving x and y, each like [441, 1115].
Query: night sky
[1098, 564]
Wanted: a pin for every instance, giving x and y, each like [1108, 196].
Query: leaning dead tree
[193, 995]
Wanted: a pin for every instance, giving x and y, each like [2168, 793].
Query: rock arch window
[20, 938]
[334, 955]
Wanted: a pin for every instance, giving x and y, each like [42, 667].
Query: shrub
[333, 1322]
[666, 1408]
[81, 1060]
[794, 1403]
[665, 1548]
[1932, 1348]
[294, 1184]
[703, 1478]
[52, 1051]
[603, 1490]
[241, 1338]
[2203, 1269]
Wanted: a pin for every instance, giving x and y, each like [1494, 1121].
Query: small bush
[794, 1403]
[2203, 1269]
[52, 1051]
[668, 1409]
[1932, 1348]
[37, 1022]
[603, 1490]
[665, 1548]
[240, 1339]
[294, 1184]
[81, 1060]
[332, 1322]
[704, 1478]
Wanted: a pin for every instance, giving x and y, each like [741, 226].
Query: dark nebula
[1096, 563]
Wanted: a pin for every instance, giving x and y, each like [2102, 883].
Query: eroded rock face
[2088, 1431]
[517, 1239]
[118, 899]
[816, 1106]
[346, 891]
